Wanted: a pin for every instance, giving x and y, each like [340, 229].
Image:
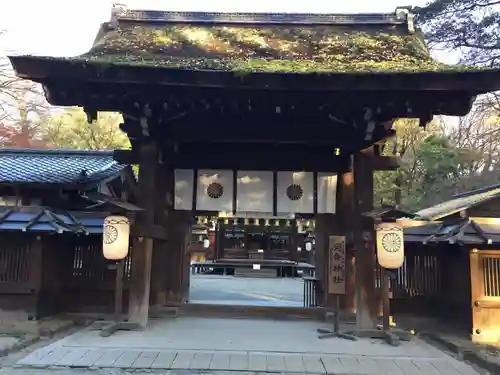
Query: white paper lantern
[206, 244]
[115, 237]
[390, 245]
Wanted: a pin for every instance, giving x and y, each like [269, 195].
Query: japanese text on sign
[336, 265]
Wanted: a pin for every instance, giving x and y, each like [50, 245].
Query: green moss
[266, 49]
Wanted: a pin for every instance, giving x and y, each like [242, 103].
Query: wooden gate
[485, 290]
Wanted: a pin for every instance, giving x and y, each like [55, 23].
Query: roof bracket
[60, 225]
[5, 215]
[480, 232]
[33, 221]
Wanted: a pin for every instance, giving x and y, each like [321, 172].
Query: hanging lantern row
[204, 220]
[257, 222]
[116, 237]
[306, 225]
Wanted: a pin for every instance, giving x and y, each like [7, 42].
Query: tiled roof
[452, 231]
[459, 203]
[63, 167]
[42, 219]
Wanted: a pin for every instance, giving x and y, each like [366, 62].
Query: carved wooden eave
[112, 84]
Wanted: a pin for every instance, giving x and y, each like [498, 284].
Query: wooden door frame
[480, 303]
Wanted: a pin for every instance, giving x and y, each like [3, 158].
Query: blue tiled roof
[67, 167]
[45, 220]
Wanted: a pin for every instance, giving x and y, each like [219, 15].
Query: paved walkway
[206, 344]
[135, 359]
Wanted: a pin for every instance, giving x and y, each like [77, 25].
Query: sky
[68, 28]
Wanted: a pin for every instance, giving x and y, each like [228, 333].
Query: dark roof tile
[45, 220]
[60, 167]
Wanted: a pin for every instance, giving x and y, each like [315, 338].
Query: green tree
[69, 129]
[398, 187]
[433, 166]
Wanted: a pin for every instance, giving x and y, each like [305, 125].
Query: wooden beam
[250, 156]
[156, 232]
[386, 163]
[143, 246]
[128, 157]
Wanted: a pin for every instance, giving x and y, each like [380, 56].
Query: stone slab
[248, 335]
[133, 359]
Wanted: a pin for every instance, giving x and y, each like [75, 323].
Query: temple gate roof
[246, 78]
[263, 43]
[243, 43]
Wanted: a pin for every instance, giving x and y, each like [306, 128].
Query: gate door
[485, 290]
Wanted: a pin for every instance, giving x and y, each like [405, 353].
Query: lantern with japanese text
[115, 237]
[390, 245]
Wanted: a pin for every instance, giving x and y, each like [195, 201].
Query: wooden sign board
[336, 265]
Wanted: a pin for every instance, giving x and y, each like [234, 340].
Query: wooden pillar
[294, 243]
[325, 224]
[164, 197]
[142, 250]
[339, 225]
[178, 262]
[363, 239]
[344, 216]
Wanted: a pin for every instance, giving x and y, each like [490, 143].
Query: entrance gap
[252, 262]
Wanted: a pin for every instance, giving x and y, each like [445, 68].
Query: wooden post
[339, 225]
[177, 274]
[164, 206]
[363, 238]
[119, 289]
[143, 247]
[293, 243]
[386, 313]
[323, 222]
[344, 218]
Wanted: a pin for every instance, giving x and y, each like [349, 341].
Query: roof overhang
[43, 70]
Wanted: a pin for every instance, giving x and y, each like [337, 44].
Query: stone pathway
[189, 345]
[130, 359]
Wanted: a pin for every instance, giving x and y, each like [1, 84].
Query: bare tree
[23, 109]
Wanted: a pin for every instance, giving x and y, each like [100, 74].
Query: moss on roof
[277, 48]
